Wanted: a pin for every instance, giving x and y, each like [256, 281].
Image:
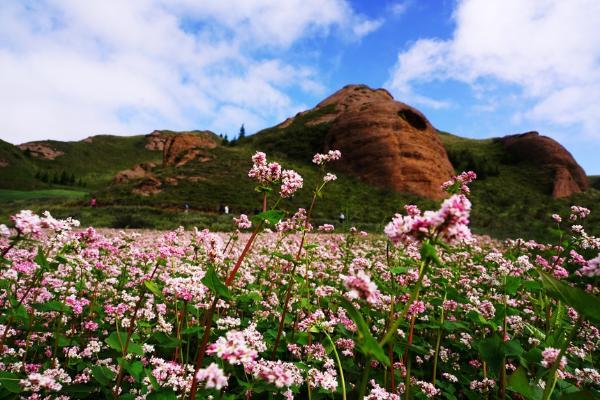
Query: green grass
[11, 195]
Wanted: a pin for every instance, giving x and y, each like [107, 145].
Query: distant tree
[44, 177]
[242, 132]
[225, 141]
[64, 178]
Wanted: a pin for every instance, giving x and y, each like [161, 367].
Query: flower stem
[339, 363]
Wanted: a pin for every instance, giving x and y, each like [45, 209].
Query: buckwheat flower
[556, 218]
[332, 155]
[487, 309]
[212, 243]
[326, 228]
[4, 231]
[329, 177]
[459, 183]
[360, 286]
[449, 377]
[326, 380]
[549, 356]
[36, 382]
[243, 222]
[428, 389]
[281, 374]
[291, 181]
[417, 307]
[578, 212]
[379, 393]
[591, 269]
[76, 304]
[28, 223]
[212, 376]
[233, 348]
[262, 172]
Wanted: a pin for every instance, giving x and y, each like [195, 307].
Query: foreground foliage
[426, 311]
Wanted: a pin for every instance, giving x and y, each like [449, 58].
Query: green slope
[510, 198]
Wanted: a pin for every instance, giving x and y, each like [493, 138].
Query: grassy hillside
[16, 170]
[510, 198]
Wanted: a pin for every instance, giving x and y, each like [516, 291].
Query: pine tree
[242, 132]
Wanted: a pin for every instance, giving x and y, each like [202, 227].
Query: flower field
[282, 309]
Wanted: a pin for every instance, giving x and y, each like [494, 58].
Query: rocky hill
[392, 155]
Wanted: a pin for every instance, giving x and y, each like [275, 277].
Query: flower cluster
[332, 155]
[450, 223]
[459, 183]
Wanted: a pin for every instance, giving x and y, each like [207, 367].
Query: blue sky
[477, 68]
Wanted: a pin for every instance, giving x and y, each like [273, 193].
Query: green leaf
[103, 375]
[366, 341]
[52, 305]
[41, 260]
[518, 382]
[578, 299]
[165, 340]
[581, 395]
[153, 287]
[164, 394]
[78, 391]
[283, 256]
[490, 351]
[513, 283]
[270, 217]
[10, 382]
[429, 253]
[117, 340]
[135, 369]
[212, 281]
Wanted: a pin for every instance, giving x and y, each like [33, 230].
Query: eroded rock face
[138, 171]
[180, 148]
[569, 177]
[385, 142]
[41, 150]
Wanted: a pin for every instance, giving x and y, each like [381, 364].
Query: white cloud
[399, 8]
[73, 68]
[549, 50]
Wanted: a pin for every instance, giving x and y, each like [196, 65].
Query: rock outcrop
[568, 177]
[41, 150]
[180, 148]
[138, 171]
[385, 142]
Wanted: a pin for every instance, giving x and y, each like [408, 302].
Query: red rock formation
[41, 150]
[568, 176]
[138, 171]
[180, 148]
[385, 142]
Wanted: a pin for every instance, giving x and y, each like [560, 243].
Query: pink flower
[76, 304]
[233, 348]
[28, 223]
[458, 184]
[326, 228]
[243, 222]
[291, 181]
[213, 377]
[449, 223]
[578, 212]
[262, 172]
[549, 355]
[360, 286]
[332, 155]
[556, 218]
[279, 373]
[329, 177]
